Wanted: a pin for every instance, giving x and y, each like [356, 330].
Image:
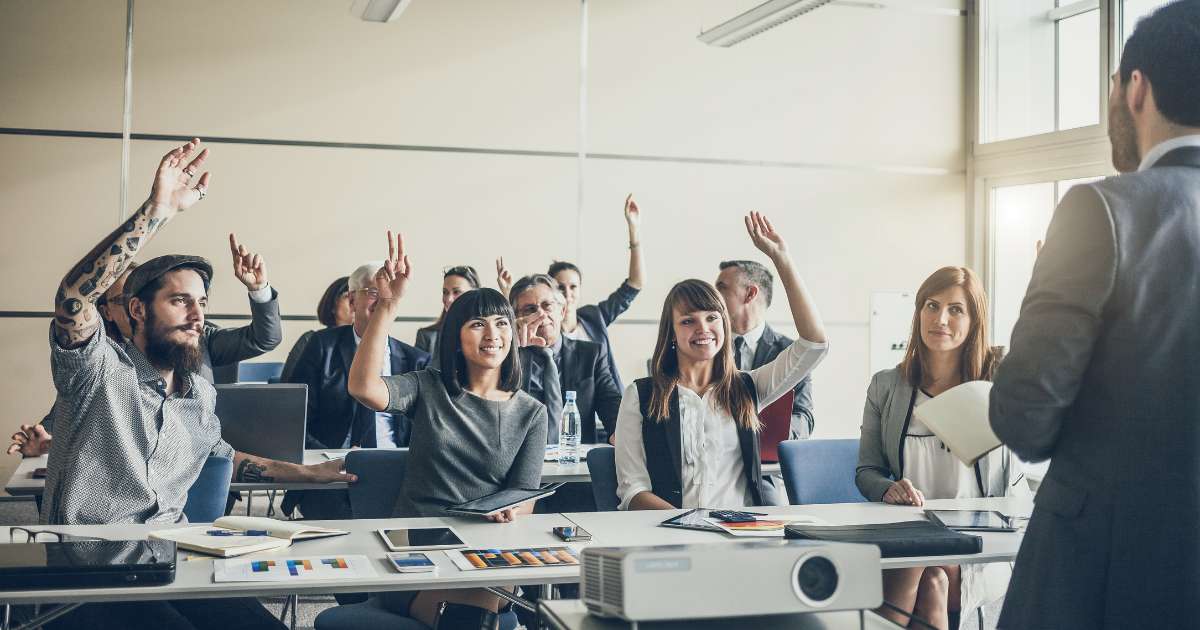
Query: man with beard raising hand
[135, 421]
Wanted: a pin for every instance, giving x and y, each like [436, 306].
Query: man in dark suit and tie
[747, 288]
[1101, 376]
[335, 419]
[578, 365]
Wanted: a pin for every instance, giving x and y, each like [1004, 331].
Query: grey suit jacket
[769, 346]
[881, 446]
[1101, 377]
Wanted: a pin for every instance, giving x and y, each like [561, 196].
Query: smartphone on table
[572, 533]
[412, 562]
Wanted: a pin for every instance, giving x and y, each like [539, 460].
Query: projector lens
[817, 579]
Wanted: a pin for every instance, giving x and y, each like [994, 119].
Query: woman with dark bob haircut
[333, 310]
[474, 432]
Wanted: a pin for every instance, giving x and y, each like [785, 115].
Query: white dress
[938, 474]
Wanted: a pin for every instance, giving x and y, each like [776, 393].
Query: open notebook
[274, 534]
[959, 417]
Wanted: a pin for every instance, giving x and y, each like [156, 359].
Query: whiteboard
[891, 324]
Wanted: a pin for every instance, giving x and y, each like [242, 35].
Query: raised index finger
[391, 247]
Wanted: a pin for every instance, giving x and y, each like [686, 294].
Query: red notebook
[776, 419]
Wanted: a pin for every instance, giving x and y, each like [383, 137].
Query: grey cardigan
[884, 415]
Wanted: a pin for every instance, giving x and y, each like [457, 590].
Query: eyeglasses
[547, 306]
[21, 535]
[371, 293]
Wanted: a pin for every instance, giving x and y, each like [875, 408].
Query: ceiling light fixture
[761, 18]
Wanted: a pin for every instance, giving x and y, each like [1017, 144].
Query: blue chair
[261, 372]
[380, 478]
[602, 467]
[206, 498]
[820, 471]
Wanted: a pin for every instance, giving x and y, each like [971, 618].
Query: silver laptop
[264, 420]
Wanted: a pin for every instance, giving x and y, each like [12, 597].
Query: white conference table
[23, 483]
[194, 574]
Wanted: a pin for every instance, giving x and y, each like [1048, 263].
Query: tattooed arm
[75, 316]
[253, 469]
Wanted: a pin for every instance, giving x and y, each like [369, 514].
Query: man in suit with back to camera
[1101, 375]
[335, 419]
[747, 288]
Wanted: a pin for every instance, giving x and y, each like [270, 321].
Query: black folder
[87, 564]
[895, 540]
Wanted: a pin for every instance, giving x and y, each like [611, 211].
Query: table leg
[39, 620]
[249, 501]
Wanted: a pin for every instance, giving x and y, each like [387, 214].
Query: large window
[1041, 67]
[1020, 216]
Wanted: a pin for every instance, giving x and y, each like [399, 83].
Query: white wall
[842, 86]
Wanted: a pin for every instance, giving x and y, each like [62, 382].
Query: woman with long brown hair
[687, 435]
[901, 462]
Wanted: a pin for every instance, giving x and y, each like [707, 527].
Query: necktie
[739, 345]
[551, 394]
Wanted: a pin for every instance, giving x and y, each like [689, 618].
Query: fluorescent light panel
[379, 10]
[761, 18]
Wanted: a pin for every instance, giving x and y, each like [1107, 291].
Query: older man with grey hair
[335, 418]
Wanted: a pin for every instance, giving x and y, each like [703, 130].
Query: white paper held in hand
[959, 417]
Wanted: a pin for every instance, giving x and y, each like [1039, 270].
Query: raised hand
[633, 216]
[764, 236]
[504, 279]
[173, 189]
[247, 266]
[392, 278]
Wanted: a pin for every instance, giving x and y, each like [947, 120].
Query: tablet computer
[692, 519]
[416, 538]
[87, 564]
[972, 520]
[500, 501]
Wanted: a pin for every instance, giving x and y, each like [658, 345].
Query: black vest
[663, 442]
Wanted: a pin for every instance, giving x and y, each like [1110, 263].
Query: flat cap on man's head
[154, 268]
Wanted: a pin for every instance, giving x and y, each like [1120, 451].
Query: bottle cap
[569, 395]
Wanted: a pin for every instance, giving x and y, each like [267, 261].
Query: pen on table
[249, 532]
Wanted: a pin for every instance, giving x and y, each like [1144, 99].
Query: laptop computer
[776, 421]
[87, 564]
[264, 420]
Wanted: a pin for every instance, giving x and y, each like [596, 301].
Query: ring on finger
[202, 192]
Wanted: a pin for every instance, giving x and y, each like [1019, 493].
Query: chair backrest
[380, 477]
[820, 471]
[206, 498]
[260, 372]
[602, 467]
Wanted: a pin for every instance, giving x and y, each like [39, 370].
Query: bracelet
[633, 245]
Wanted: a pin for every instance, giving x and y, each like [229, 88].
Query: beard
[165, 353]
[1123, 135]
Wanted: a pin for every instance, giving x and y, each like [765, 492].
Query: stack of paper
[959, 417]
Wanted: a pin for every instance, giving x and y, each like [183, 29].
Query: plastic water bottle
[568, 436]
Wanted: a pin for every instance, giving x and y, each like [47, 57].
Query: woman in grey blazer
[902, 462]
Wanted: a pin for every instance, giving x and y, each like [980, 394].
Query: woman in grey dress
[474, 432]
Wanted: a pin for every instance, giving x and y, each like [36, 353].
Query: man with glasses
[335, 419]
[574, 365]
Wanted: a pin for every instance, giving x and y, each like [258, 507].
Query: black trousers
[184, 614]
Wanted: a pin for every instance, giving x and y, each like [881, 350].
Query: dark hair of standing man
[1165, 47]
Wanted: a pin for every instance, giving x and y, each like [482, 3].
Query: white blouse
[931, 467]
[713, 474]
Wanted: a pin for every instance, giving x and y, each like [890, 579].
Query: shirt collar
[556, 349]
[1165, 147]
[358, 340]
[753, 335]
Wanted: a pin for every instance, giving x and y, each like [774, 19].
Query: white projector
[730, 579]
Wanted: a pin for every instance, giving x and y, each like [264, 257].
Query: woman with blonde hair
[687, 435]
[901, 462]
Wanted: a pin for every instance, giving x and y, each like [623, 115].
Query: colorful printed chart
[291, 569]
[516, 558]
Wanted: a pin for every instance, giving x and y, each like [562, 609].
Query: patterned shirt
[124, 451]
